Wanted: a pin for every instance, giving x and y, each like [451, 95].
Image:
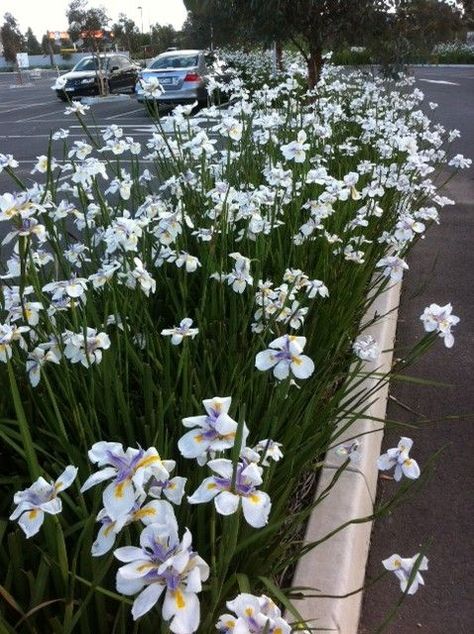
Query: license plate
[69, 89]
[166, 80]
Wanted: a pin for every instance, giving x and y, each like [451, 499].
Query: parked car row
[183, 75]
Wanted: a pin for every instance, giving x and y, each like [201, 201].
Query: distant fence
[45, 61]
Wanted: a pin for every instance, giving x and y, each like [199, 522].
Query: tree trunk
[315, 64]
[278, 55]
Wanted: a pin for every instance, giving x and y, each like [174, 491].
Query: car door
[115, 76]
[129, 73]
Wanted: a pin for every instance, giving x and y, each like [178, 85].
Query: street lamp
[143, 44]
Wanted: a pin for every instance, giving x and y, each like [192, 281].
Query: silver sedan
[183, 75]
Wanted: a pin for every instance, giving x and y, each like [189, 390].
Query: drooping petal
[265, 360]
[193, 444]
[31, 521]
[282, 370]
[128, 553]
[385, 462]
[227, 503]
[205, 491]
[256, 507]
[302, 366]
[183, 608]
[100, 476]
[118, 498]
[146, 600]
[104, 541]
[410, 469]
[392, 563]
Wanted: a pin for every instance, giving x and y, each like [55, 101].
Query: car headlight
[88, 80]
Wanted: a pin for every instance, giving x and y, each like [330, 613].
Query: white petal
[226, 503]
[257, 508]
[411, 469]
[185, 608]
[128, 553]
[100, 476]
[66, 478]
[282, 370]
[384, 462]
[104, 541]
[205, 492]
[219, 404]
[222, 467]
[128, 586]
[31, 521]
[118, 498]
[193, 444]
[302, 366]
[146, 600]
[392, 563]
[265, 360]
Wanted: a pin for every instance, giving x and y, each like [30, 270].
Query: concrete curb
[109, 98]
[337, 566]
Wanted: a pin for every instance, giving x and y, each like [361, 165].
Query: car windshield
[175, 61]
[90, 63]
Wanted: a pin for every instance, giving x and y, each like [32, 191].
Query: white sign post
[22, 60]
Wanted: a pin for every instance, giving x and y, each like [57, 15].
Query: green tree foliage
[33, 47]
[163, 36]
[84, 21]
[127, 34]
[12, 39]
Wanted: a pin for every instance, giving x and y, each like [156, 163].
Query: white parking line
[124, 114]
[37, 116]
[439, 81]
[46, 103]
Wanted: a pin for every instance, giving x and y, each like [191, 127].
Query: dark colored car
[183, 74]
[118, 71]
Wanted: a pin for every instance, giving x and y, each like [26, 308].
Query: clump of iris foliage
[227, 259]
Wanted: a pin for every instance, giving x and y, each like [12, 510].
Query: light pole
[143, 42]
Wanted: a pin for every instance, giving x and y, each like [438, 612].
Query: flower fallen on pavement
[365, 347]
[439, 319]
[399, 458]
[285, 355]
[403, 569]
[40, 498]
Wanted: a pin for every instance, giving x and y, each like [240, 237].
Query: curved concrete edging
[337, 566]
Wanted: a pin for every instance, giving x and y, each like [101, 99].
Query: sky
[50, 15]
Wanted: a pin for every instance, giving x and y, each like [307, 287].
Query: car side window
[114, 63]
[123, 62]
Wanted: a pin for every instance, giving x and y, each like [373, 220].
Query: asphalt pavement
[441, 270]
[440, 518]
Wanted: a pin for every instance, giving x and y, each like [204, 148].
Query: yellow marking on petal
[199, 438]
[253, 497]
[144, 513]
[179, 599]
[397, 563]
[147, 566]
[146, 462]
[408, 462]
[58, 485]
[248, 611]
[108, 529]
[296, 360]
[217, 406]
[118, 491]
[229, 624]
[278, 631]
[32, 514]
[230, 436]
[171, 485]
[212, 485]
